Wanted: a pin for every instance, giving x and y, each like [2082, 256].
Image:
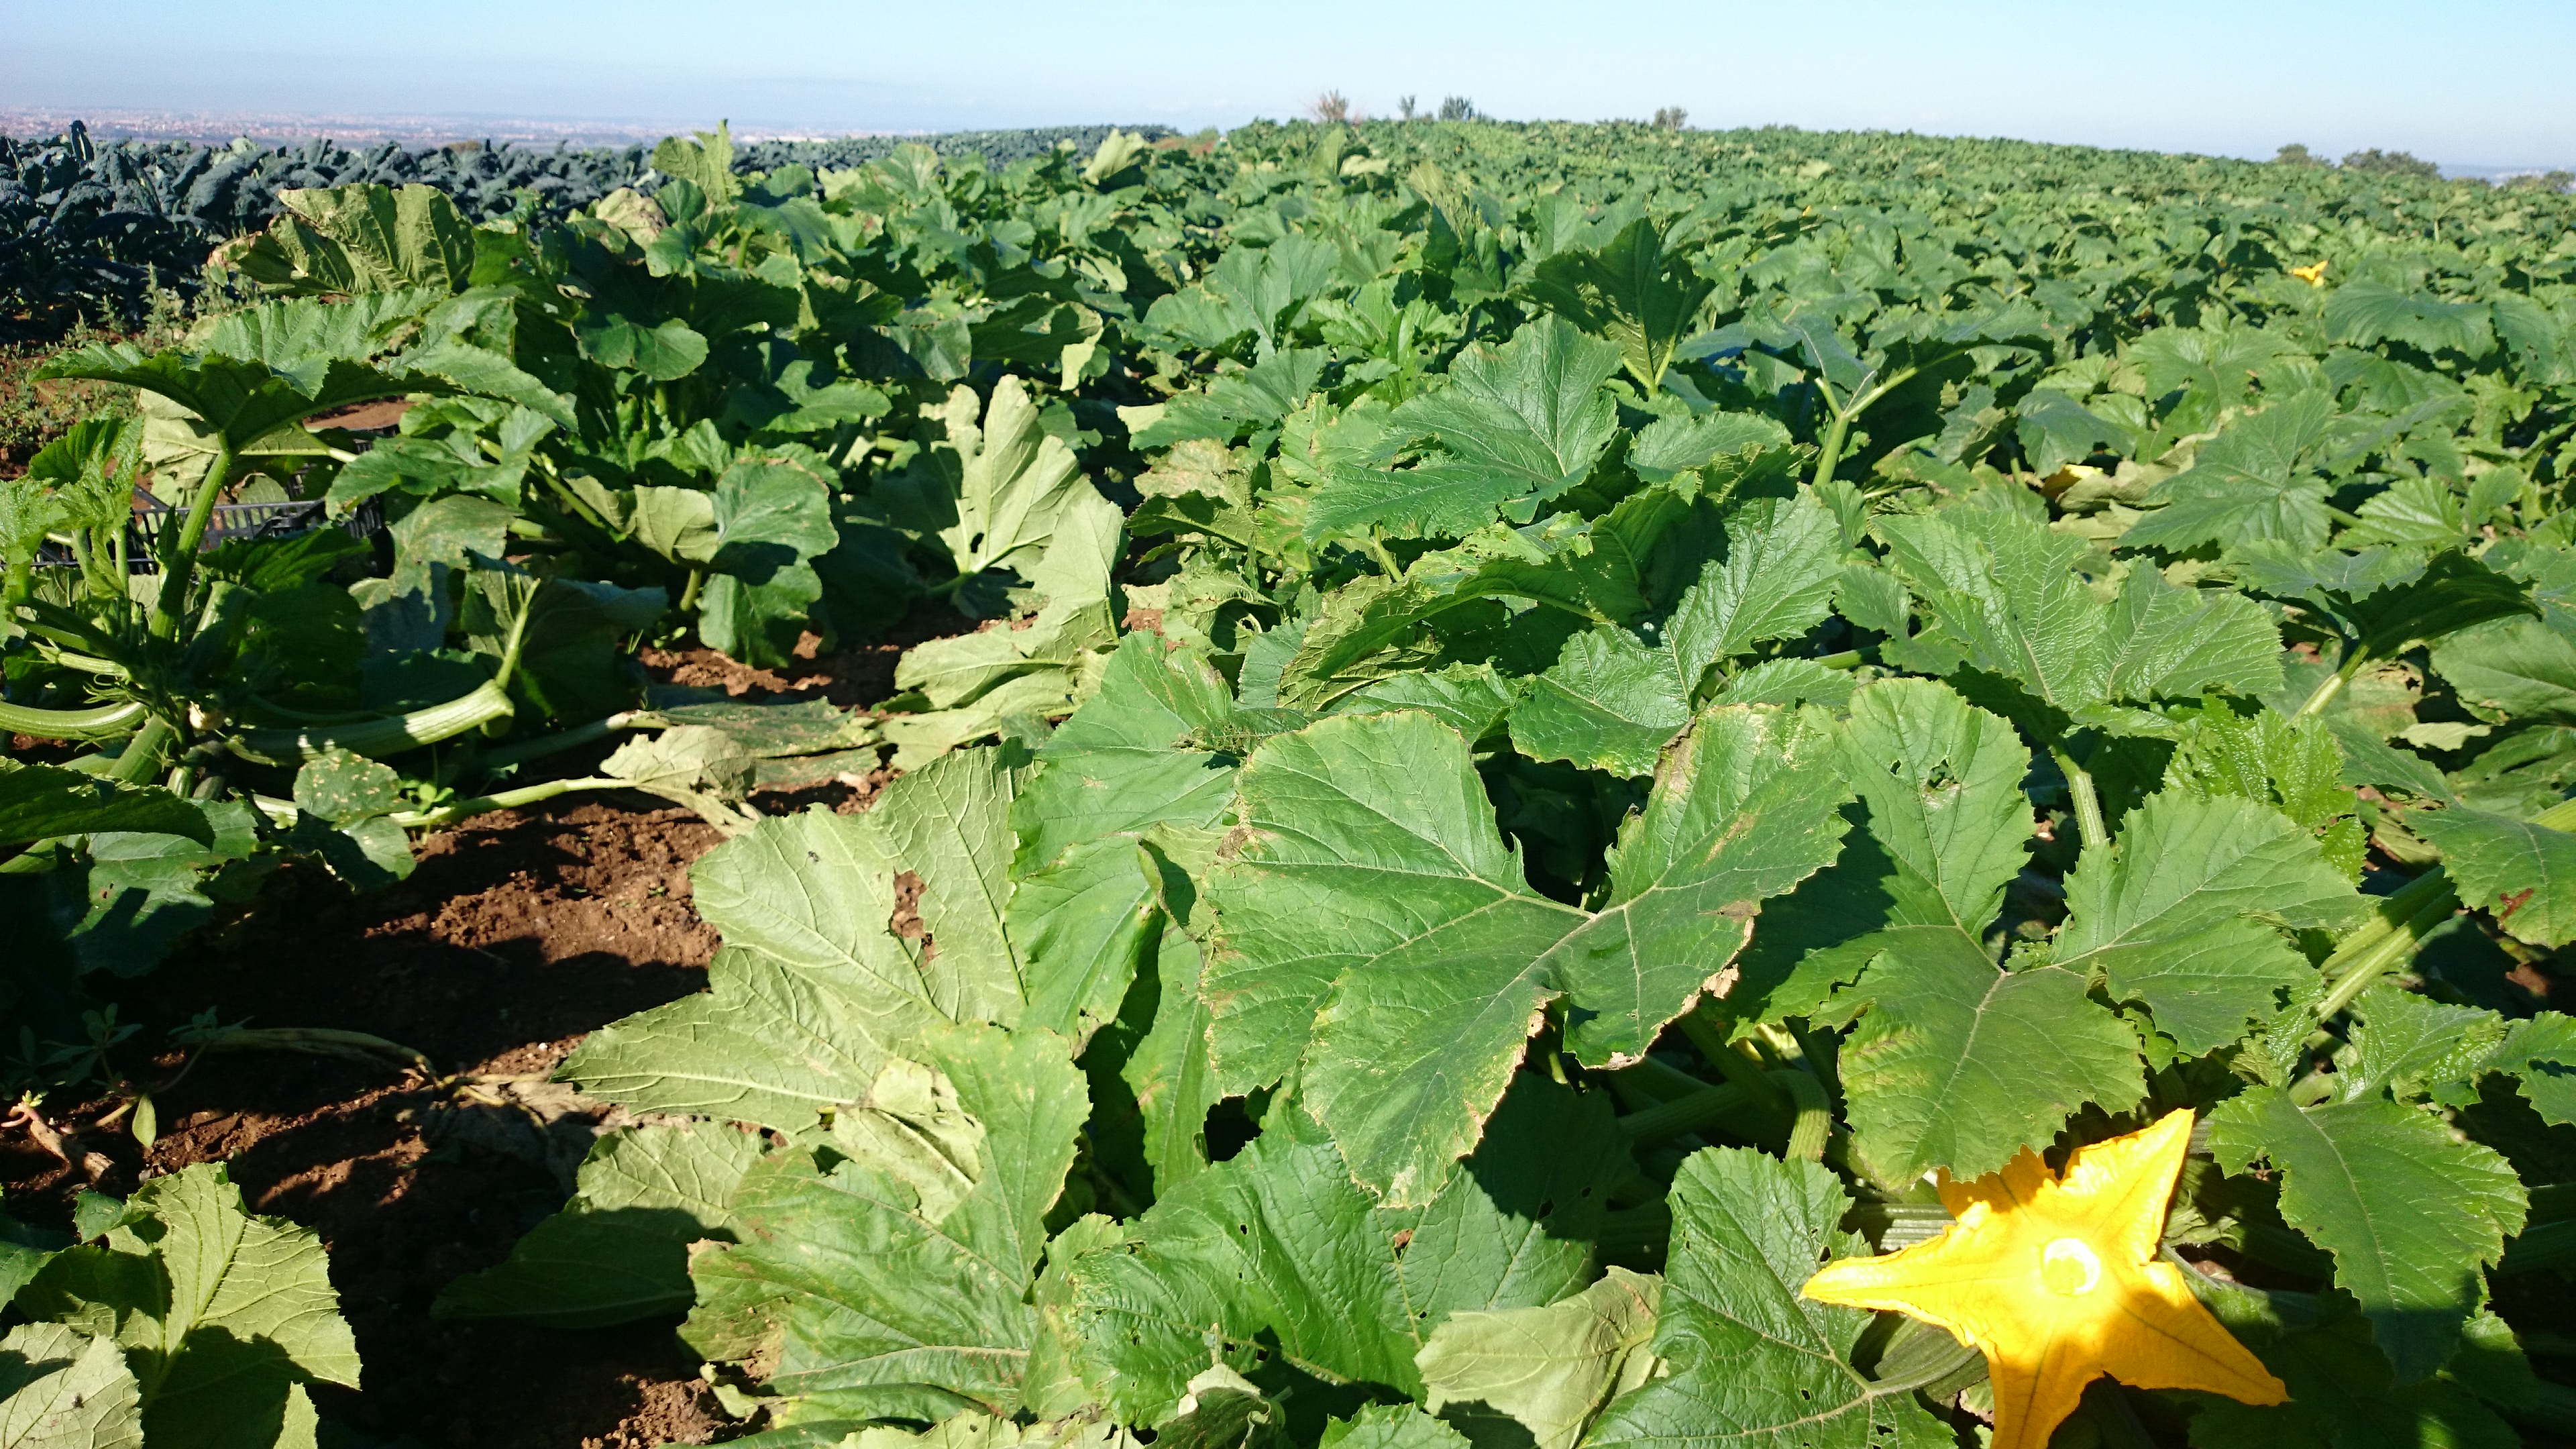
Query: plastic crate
[365, 523]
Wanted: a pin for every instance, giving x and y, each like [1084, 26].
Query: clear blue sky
[2464, 82]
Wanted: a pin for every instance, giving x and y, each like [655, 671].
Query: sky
[2470, 83]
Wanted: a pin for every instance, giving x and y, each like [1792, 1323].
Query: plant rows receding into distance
[1578, 722]
[91, 227]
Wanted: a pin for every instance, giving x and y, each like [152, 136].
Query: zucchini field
[1542, 787]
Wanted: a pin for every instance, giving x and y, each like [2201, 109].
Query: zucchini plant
[1627, 788]
[1821, 811]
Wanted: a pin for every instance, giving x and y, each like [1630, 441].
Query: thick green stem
[1813, 1126]
[2402, 920]
[85, 555]
[1660, 1080]
[61, 627]
[698, 581]
[105, 722]
[286, 812]
[225, 605]
[489, 702]
[1377, 551]
[270, 708]
[2332, 685]
[518, 637]
[2385, 941]
[141, 758]
[1709, 1034]
[91, 664]
[454, 811]
[180, 563]
[2088, 805]
[579, 506]
[1829, 449]
[1696, 1111]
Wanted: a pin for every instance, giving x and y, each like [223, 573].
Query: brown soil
[519, 933]
[516, 937]
[860, 676]
[371, 417]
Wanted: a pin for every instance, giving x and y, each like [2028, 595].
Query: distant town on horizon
[215, 128]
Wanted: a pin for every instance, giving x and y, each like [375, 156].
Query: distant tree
[2543, 181]
[1457, 108]
[1406, 107]
[2391, 163]
[1332, 108]
[1670, 118]
[2295, 154]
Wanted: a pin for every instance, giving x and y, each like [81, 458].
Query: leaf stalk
[2090, 830]
[107, 721]
[179, 561]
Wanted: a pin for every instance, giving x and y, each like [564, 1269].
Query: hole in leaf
[1230, 1128]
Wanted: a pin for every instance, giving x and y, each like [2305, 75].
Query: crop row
[88, 227]
[1600, 753]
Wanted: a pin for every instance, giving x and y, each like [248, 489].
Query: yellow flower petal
[2056, 1280]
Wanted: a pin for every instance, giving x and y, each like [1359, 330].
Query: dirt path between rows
[519, 933]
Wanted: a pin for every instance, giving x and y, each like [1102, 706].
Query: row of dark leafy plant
[89, 227]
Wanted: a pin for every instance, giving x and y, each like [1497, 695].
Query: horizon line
[130, 123]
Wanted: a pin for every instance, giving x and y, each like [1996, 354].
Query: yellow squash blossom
[2314, 274]
[2057, 1281]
